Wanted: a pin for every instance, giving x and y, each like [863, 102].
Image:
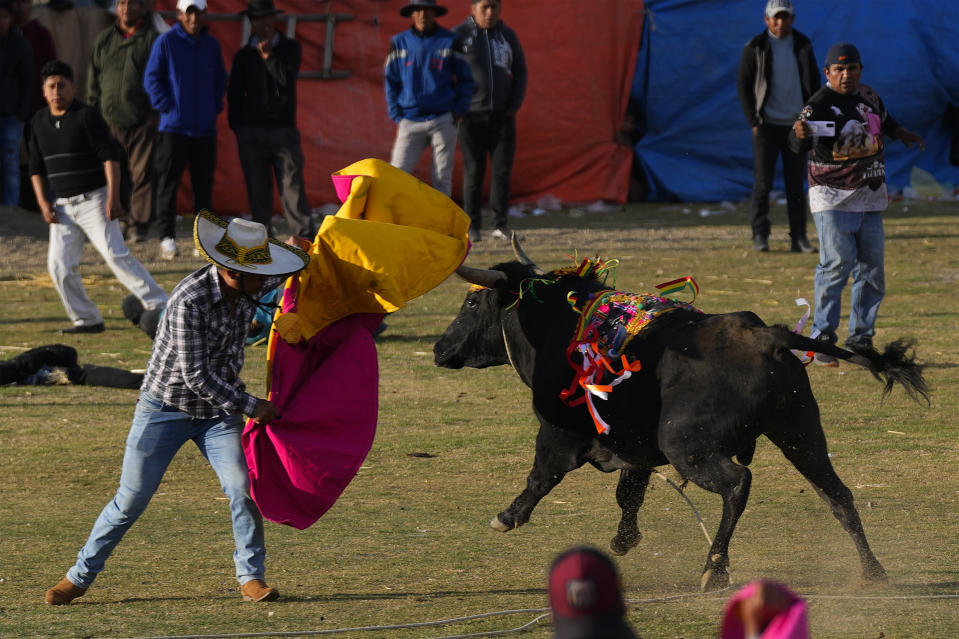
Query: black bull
[710, 385]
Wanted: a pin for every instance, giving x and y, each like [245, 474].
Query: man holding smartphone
[847, 194]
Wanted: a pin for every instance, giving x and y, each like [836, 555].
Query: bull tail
[897, 362]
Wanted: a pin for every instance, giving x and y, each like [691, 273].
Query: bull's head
[475, 338]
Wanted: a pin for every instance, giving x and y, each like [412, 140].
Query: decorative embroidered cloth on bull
[609, 320]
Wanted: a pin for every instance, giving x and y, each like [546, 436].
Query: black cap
[843, 53]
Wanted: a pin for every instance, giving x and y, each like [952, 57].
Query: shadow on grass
[34, 320]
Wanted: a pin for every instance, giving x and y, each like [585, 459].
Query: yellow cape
[393, 239]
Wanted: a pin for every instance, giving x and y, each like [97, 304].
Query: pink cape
[325, 391]
[393, 239]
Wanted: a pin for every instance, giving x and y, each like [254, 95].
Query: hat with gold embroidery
[244, 246]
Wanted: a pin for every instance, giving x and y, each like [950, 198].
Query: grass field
[408, 541]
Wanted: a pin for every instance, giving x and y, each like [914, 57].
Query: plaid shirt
[198, 350]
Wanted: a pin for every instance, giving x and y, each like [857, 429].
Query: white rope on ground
[689, 595]
[407, 626]
[683, 495]
[881, 597]
[542, 613]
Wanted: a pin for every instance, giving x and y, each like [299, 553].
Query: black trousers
[770, 142]
[482, 134]
[268, 152]
[173, 152]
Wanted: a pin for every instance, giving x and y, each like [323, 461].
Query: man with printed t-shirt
[843, 124]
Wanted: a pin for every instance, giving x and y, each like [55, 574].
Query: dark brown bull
[710, 385]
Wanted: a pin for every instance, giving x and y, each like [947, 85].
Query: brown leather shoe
[257, 590]
[63, 593]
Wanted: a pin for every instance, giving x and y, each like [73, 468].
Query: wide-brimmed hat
[244, 246]
[422, 4]
[259, 8]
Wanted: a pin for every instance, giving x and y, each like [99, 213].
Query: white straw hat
[244, 246]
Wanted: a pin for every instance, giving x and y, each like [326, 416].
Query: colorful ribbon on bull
[607, 324]
[807, 356]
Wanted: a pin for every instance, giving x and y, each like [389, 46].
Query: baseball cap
[778, 6]
[585, 596]
[183, 5]
[842, 53]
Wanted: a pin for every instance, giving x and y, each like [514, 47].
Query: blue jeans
[11, 128]
[849, 243]
[157, 433]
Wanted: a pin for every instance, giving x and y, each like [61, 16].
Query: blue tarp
[696, 142]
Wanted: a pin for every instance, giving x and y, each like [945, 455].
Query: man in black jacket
[489, 127]
[777, 74]
[262, 113]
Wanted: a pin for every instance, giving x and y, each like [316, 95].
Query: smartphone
[822, 128]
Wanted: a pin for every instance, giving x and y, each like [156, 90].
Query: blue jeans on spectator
[849, 243]
[157, 433]
[11, 129]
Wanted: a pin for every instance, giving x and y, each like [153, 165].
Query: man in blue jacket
[186, 80]
[429, 86]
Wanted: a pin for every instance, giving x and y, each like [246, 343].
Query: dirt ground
[23, 246]
[23, 238]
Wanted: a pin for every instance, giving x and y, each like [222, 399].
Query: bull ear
[480, 276]
[521, 254]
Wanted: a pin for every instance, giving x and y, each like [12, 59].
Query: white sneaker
[500, 234]
[168, 249]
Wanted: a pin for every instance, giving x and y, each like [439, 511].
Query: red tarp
[581, 62]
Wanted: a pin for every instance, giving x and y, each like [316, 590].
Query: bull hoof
[497, 524]
[622, 544]
[715, 577]
[875, 574]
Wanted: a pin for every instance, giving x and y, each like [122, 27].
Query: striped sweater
[69, 150]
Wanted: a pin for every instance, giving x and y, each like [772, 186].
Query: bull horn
[480, 276]
[521, 254]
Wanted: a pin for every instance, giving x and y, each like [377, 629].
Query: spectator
[192, 390]
[41, 41]
[586, 597]
[16, 91]
[262, 110]
[764, 609]
[847, 194]
[777, 74]
[428, 88]
[489, 127]
[186, 81]
[44, 50]
[73, 156]
[115, 87]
